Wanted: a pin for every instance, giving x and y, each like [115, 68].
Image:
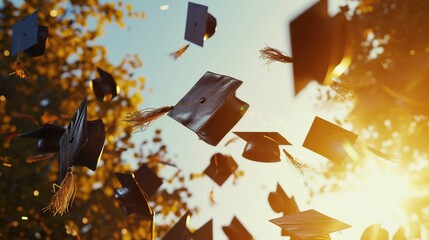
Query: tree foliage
[58, 81]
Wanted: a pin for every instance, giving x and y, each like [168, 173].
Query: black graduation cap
[280, 202]
[319, 44]
[236, 231]
[200, 25]
[132, 196]
[203, 233]
[180, 230]
[309, 224]
[262, 146]
[328, 140]
[82, 142]
[210, 109]
[29, 37]
[48, 138]
[375, 232]
[104, 87]
[220, 168]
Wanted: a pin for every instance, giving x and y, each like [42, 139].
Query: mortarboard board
[375, 232]
[132, 197]
[29, 37]
[200, 25]
[280, 202]
[148, 181]
[220, 168]
[203, 233]
[262, 146]
[319, 44]
[210, 108]
[399, 234]
[104, 87]
[236, 231]
[48, 138]
[82, 143]
[309, 224]
[328, 140]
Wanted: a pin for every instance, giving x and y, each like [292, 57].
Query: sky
[243, 28]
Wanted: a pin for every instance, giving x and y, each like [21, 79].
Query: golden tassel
[301, 167]
[20, 69]
[270, 55]
[63, 197]
[179, 52]
[141, 120]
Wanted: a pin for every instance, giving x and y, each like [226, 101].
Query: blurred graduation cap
[399, 234]
[280, 202]
[221, 168]
[328, 140]
[29, 37]
[48, 138]
[236, 231]
[200, 26]
[81, 145]
[320, 45]
[180, 230]
[210, 109]
[136, 190]
[375, 232]
[309, 224]
[105, 87]
[262, 146]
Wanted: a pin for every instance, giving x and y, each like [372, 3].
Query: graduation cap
[81, 145]
[133, 195]
[200, 26]
[399, 234]
[220, 168]
[309, 224]
[280, 202]
[48, 138]
[29, 37]
[236, 231]
[328, 140]
[375, 232]
[320, 45]
[180, 230]
[210, 109]
[105, 88]
[262, 146]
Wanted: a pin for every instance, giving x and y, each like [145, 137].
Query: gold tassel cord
[19, 69]
[142, 119]
[63, 197]
[270, 55]
[301, 167]
[177, 54]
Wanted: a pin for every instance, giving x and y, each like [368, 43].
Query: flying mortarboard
[48, 138]
[236, 231]
[81, 145]
[200, 26]
[399, 234]
[309, 224]
[280, 202]
[320, 45]
[105, 87]
[210, 109]
[180, 230]
[262, 146]
[29, 37]
[220, 168]
[328, 140]
[375, 232]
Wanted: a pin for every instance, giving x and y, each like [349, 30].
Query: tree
[387, 83]
[57, 83]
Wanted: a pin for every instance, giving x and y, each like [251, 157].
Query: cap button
[202, 100]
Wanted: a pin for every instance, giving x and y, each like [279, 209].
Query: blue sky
[244, 27]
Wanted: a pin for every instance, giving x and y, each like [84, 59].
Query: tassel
[20, 69]
[179, 52]
[270, 55]
[383, 155]
[141, 120]
[301, 167]
[63, 197]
